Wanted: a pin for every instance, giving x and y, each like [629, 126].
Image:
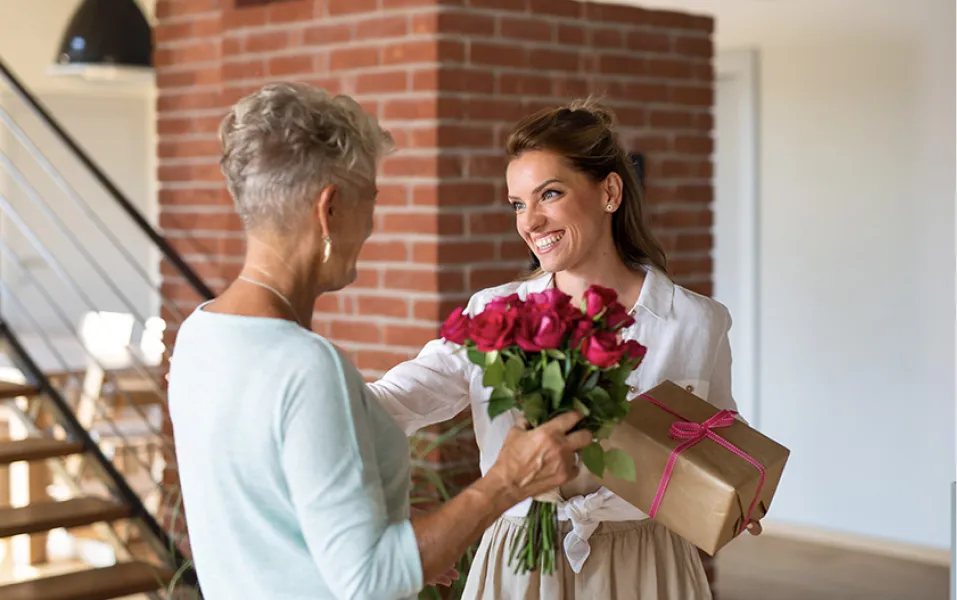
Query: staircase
[83, 439]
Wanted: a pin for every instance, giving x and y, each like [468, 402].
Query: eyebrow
[540, 187]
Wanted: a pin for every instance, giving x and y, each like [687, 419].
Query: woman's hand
[536, 461]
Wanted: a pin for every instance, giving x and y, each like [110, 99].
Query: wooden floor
[773, 568]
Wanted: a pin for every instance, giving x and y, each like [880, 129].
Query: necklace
[279, 294]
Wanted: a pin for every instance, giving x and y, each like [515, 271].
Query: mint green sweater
[295, 481]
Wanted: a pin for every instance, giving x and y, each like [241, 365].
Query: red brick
[516, 250]
[687, 144]
[291, 65]
[343, 59]
[671, 119]
[702, 193]
[166, 9]
[561, 8]
[452, 252]
[197, 52]
[166, 32]
[410, 108]
[487, 166]
[454, 79]
[266, 41]
[390, 26]
[570, 86]
[526, 29]
[463, 136]
[501, 55]
[384, 251]
[491, 222]
[190, 172]
[209, 221]
[493, 110]
[522, 84]
[254, 16]
[232, 46]
[648, 41]
[383, 306]
[318, 35]
[195, 197]
[207, 27]
[682, 218]
[514, 5]
[615, 13]
[381, 83]
[693, 46]
[648, 142]
[172, 126]
[607, 38]
[408, 335]
[290, 12]
[390, 4]
[188, 148]
[485, 278]
[422, 223]
[345, 7]
[415, 280]
[647, 92]
[692, 95]
[198, 77]
[622, 64]
[379, 360]
[553, 60]
[572, 35]
[355, 331]
[246, 69]
[422, 166]
[669, 68]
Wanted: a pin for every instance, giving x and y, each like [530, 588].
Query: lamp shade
[106, 33]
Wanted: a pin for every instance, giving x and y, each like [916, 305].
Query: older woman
[580, 209]
[295, 478]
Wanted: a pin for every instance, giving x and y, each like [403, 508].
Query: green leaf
[494, 373]
[591, 380]
[620, 464]
[502, 400]
[533, 406]
[553, 381]
[594, 458]
[476, 357]
[577, 405]
[604, 432]
[514, 368]
[492, 357]
[555, 354]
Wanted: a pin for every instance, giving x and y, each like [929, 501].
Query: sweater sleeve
[328, 459]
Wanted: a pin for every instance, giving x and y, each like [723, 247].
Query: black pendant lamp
[106, 38]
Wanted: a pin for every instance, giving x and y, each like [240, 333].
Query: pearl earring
[610, 207]
[327, 249]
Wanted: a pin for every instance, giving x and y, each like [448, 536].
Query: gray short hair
[284, 142]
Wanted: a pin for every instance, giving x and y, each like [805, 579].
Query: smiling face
[561, 213]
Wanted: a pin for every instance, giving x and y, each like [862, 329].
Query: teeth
[547, 242]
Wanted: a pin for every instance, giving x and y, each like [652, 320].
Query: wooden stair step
[36, 448]
[123, 579]
[14, 390]
[44, 516]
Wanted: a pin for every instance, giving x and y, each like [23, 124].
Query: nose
[532, 219]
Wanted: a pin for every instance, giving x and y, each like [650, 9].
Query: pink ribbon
[693, 433]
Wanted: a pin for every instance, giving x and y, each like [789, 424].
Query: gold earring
[327, 249]
[610, 207]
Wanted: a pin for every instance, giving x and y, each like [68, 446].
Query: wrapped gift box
[705, 491]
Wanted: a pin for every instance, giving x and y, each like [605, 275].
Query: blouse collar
[656, 296]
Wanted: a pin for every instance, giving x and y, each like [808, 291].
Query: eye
[517, 206]
[550, 193]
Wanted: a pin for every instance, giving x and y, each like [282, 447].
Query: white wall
[857, 281]
[857, 256]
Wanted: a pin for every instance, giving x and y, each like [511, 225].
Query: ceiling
[741, 23]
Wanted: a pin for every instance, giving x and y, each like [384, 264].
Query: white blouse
[687, 339]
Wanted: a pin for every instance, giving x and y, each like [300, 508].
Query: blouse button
[631, 312]
[690, 388]
[632, 389]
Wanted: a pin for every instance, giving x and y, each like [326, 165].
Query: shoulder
[480, 299]
[700, 311]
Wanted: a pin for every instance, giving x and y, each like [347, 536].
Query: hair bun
[598, 111]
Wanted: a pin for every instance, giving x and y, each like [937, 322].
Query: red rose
[603, 350]
[582, 329]
[493, 329]
[540, 330]
[597, 299]
[618, 318]
[504, 302]
[634, 350]
[456, 327]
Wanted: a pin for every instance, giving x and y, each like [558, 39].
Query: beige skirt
[629, 560]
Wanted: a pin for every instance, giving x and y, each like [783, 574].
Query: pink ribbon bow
[693, 433]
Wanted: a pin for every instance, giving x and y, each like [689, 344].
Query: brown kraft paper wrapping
[711, 489]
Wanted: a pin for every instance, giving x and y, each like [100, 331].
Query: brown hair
[584, 133]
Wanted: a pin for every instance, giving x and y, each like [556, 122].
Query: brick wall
[448, 78]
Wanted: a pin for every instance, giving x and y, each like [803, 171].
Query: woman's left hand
[754, 528]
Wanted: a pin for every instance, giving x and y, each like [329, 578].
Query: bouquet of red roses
[543, 356]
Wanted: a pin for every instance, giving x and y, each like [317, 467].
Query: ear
[326, 204]
[612, 190]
